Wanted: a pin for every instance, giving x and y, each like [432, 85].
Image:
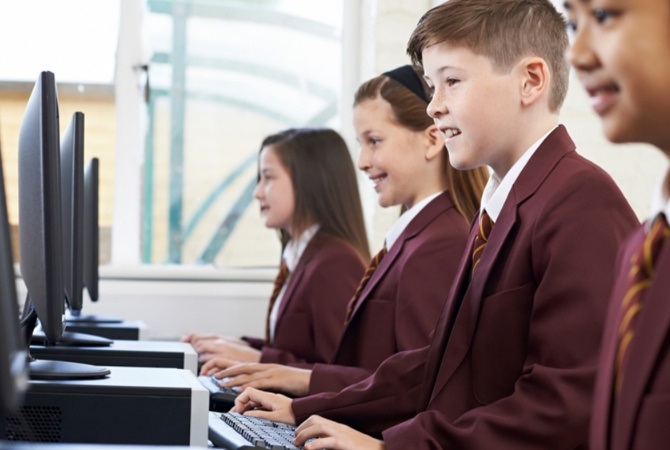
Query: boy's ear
[535, 79]
[435, 142]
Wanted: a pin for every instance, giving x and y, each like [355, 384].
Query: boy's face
[621, 52]
[474, 106]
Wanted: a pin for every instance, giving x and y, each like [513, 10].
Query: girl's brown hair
[324, 184]
[409, 110]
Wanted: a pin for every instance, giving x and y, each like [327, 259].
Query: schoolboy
[512, 361]
[621, 53]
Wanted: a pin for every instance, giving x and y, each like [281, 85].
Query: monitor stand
[77, 317]
[56, 370]
[71, 339]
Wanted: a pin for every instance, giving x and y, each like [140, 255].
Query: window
[223, 75]
[76, 40]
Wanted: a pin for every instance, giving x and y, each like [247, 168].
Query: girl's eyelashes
[452, 81]
[602, 16]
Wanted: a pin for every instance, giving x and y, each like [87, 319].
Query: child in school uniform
[307, 189]
[399, 299]
[512, 361]
[621, 54]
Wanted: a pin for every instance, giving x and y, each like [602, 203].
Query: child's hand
[268, 377]
[213, 348]
[326, 434]
[255, 403]
[216, 365]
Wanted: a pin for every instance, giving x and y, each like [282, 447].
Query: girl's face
[274, 191]
[392, 156]
[621, 54]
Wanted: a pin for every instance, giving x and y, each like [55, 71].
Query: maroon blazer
[313, 308]
[638, 418]
[512, 361]
[399, 306]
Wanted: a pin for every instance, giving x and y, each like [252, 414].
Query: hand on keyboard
[319, 433]
[264, 405]
[219, 348]
[268, 377]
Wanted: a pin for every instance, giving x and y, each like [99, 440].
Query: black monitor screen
[91, 228]
[40, 219]
[12, 352]
[72, 184]
[41, 232]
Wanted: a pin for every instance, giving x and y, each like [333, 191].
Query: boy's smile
[621, 53]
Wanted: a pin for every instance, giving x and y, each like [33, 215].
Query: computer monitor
[91, 228]
[12, 352]
[40, 228]
[72, 202]
[90, 244]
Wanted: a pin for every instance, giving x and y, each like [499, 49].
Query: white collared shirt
[496, 190]
[404, 220]
[661, 200]
[291, 256]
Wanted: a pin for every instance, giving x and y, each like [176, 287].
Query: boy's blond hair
[502, 30]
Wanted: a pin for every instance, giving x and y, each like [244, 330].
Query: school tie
[279, 283]
[374, 263]
[485, 227]
[639, 279]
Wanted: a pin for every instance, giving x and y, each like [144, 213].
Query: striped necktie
[485, 227]
[279, 283]
[374, 263]
[639, 278]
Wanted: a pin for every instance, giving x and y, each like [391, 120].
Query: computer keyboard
[220, 398]
[238, 432]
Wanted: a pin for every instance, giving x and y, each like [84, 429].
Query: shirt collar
[496, 190]
[404, 220]
[661, 200]
[296, 247]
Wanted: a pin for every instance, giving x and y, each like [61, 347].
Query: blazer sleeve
[254, 342]
[330, 285]
[574, 248]
[423, 286]
[389, 396]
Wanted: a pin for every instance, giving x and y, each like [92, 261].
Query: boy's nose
[436, 107]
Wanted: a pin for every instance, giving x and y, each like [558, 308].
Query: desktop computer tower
[142, 406]
[166, 354]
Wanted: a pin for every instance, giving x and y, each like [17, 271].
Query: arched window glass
[223, 75]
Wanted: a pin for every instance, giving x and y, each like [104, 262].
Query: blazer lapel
[555, 146]
[294, 279]
[602, 403]
[427, 214]
[442, 331]
[466, 318]
[643, 351]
